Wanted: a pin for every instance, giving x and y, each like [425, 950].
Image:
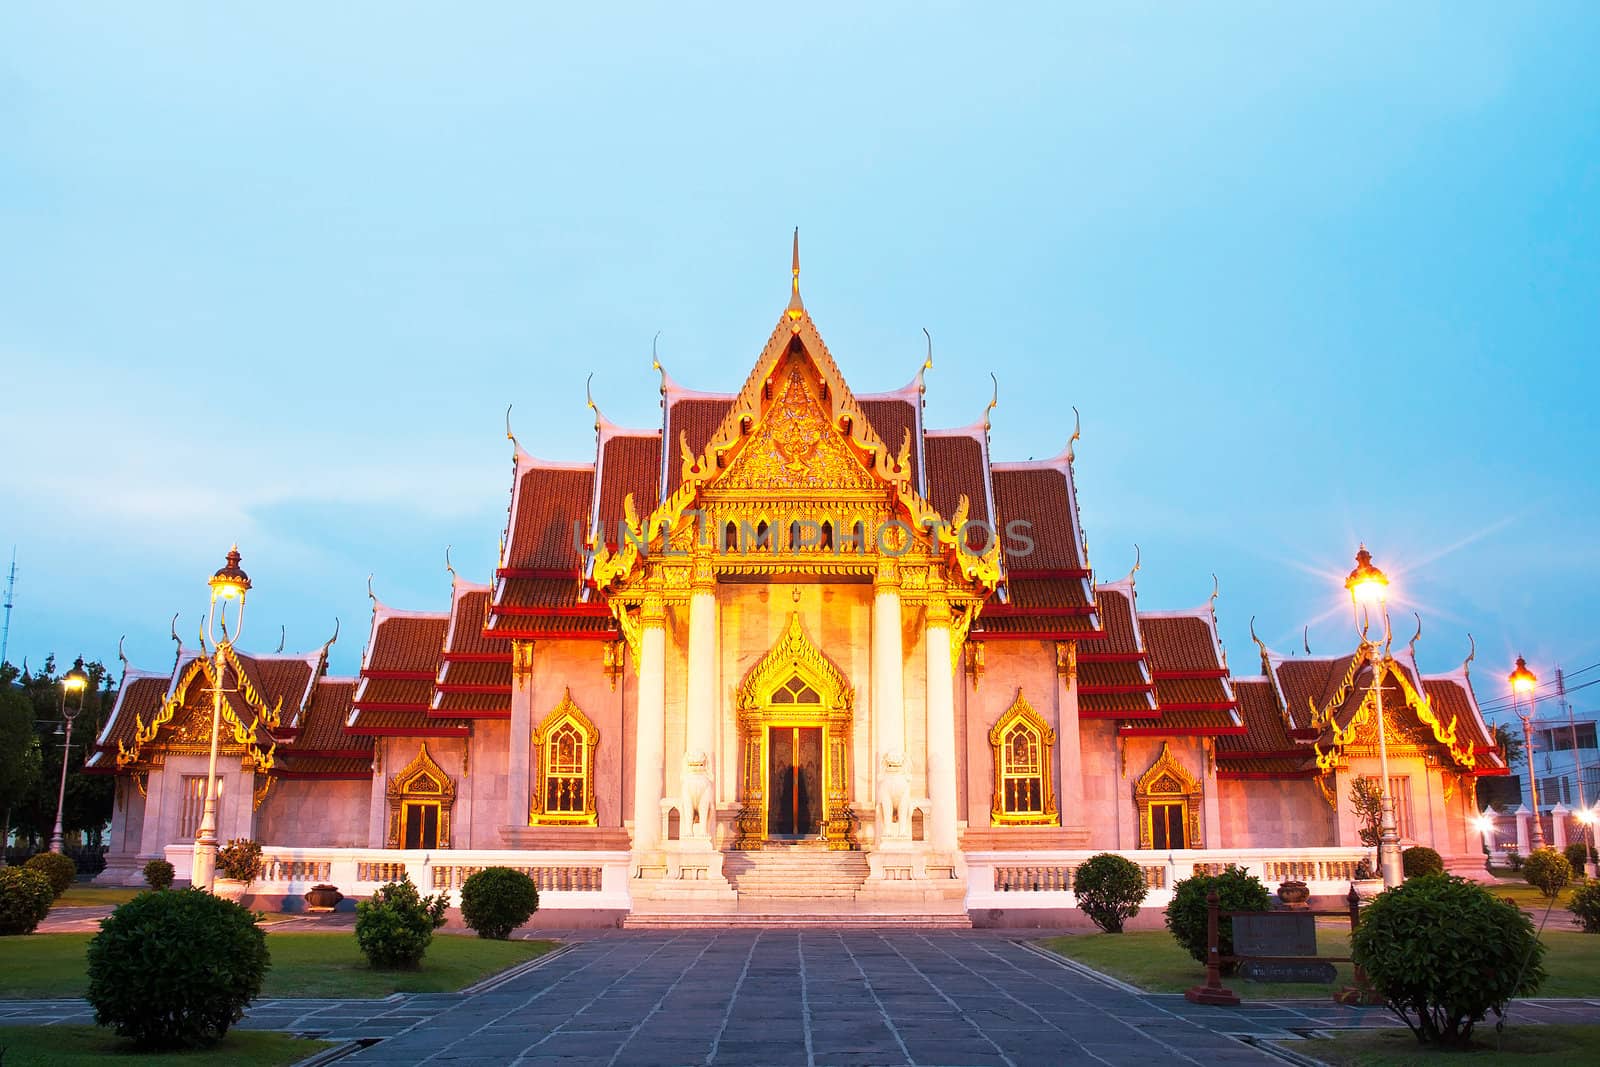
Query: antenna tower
[11, 590]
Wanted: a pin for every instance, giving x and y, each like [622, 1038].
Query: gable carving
[796, 446]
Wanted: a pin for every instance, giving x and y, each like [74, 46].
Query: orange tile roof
[629, 463]
[1042, 497]
[696, 418]
[321, 727]
[892, 419]
[1265, 731]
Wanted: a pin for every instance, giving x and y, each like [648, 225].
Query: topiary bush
[1238, 889]
[1585, 904]
[25, 899]
[176, 969]
[158, 874]
[1419, 860]
[58, 869]
[395, 927]
[497, 900]
[1577, 854]
[1547, 870]
[1443, 952]
[1109, 889]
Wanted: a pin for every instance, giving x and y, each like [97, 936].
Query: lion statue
[697, 795]
[894, 797]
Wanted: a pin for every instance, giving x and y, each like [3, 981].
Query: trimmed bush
[176, 969]
[158, 874]
[25, 899]
[57, 868]
[1238, 889]
[1419, 860]
[1577, 854]
[1513, 859]
[1443, 952]
[1109, 889]
[1547, 871]
[239, 859]
[395, 927]
[1585, 904]
[497, 900]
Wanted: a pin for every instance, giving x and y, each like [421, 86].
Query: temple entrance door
[795, 791]
[421, 825]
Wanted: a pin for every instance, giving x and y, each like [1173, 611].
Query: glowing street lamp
[228, 587]
[1523, 682]
[1369, 593]
[74, 681]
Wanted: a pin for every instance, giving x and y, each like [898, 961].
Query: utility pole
[1586, 818]
[11, 589]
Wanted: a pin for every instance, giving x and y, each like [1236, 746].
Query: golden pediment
[796, 445]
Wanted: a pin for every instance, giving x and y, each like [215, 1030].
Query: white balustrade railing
[1043, 879]
[596, 880]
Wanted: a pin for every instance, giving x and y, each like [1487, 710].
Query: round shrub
[1419, 860]
[395, 927]
[58, 869]
[1443, 952]
[1585, 904]
[1238, 889]
[158, 874]
[497, 900]
[1109, 889]
[1547, 870]
[1577, 854]
[25, 899]
[176, 969]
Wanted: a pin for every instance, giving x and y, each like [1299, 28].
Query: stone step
[818, 920]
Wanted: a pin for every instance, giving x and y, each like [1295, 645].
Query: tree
[19, 750]
[1366, 801]
[89, 797]
[1509, 744]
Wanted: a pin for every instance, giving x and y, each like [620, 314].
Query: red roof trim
[477, 657]
[1491, 772]
[1012, 611]
[538, 572]
[1180, 731]
[1036, 635]
[1235, 753]
[1130, 713]
[1113, 657]
[1191, 675]
[1202, 705]
[399, 676]
[610, 634]
[494, 713]
[476, 687]
[1049, 572]
[325, 776]
[1256, 776]
[371, 705]
[577, 611]
[400, 731]
[1111, 690]
[331, 753]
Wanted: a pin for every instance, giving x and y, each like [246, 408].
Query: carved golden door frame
[422, 781]
[794, 656]
[1022, 724]
[1168, 781]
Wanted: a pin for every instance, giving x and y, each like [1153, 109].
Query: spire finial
[795, 306]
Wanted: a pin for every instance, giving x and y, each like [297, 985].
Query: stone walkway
[782, 997]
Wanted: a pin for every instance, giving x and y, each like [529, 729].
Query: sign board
[1281, 971]
[1275, 933]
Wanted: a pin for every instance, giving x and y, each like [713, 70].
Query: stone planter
[1367, 888]
[323, 898]
[1294, 894]
[229, 888]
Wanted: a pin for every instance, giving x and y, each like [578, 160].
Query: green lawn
[68, 1046]
[303, 965]
[1152, 960]
[82, 895]
[1397, 1048]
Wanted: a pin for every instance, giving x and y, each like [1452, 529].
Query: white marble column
[700, 743]
[892, 764]
[650, 744]
[518, 784]
[1069, 742]
[941, 728]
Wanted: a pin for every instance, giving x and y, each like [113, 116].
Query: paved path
[786, 997]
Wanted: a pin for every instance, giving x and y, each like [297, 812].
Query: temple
[791, 653]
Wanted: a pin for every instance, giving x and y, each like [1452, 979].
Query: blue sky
[1310, 278]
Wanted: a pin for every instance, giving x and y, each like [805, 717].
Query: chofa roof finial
[374, 596]
[283, 636]
[1262, 645]
[509, 435]
[1077, 432]
[447, 565]
[1472, 654]
[796, 308]
[1305, 639]
[994, 400]
[1416, 636]
[655, 363]
[1138, 561]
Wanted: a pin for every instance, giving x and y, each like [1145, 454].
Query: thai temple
[791, 655]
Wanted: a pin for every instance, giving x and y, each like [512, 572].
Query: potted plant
[238, 864]
[1294, 894]
[323, 897]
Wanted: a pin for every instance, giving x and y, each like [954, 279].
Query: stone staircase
[795, 874]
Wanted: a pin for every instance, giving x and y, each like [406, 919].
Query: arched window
[1168, 798]
[1024, 787]
[563, 759]
[795, 691]
[420, 801]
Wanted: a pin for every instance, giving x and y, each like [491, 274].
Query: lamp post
[1369, 589]
[228, 586]
[1522, 684]
[74, 681]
